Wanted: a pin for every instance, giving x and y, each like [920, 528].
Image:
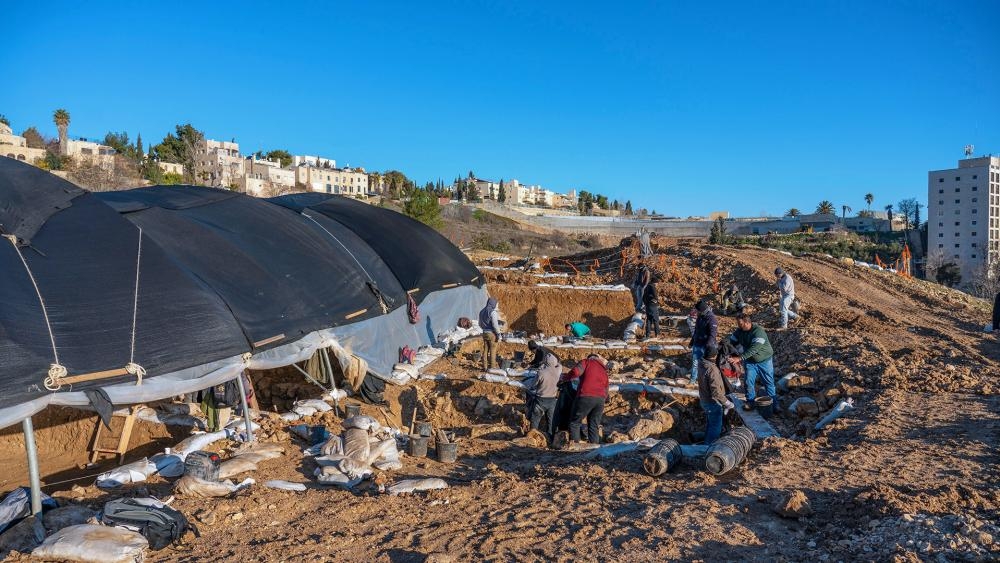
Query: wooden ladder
[97, 447]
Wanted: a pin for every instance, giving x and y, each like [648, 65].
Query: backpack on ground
[157, 522]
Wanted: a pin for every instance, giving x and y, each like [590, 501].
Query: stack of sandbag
[246, 460]
[348, 458]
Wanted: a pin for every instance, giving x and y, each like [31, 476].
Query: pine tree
[628, 207]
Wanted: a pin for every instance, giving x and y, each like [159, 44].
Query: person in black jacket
[652, 302]
[706, 333]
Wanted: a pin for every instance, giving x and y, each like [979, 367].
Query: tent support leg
[246, 407]
[329, 375]
[33, 477]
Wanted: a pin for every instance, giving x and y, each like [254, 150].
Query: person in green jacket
[757, 357]
[578, 329]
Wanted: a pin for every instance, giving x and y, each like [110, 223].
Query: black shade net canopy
[152, 281]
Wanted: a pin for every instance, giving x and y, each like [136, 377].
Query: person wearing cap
[712, 394]
[590, 398]
[539, 354]
[757, 358]
[577, 329]
[706, 333]
[489, 321]
[786, 291]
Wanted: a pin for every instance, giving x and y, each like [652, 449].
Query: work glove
[728, 406]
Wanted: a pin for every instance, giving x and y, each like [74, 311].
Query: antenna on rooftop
[968, 150]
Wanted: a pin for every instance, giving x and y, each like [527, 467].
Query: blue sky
[683, 108]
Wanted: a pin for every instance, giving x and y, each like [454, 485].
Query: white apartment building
[343, 181]
[963, 214]
[89, 152]
[171, 168]
[16, 147]
[266, 177]
[218, 163]
[314, 161]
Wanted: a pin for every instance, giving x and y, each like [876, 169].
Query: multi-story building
[16, 147]
[265, 177]
[963, 214]
[89, 152]
[314, 161]
[218, 163]
[376, 184]
[344, 181]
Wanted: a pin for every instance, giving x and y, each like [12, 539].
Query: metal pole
[329, 375]
[36, 485]
[246, 407]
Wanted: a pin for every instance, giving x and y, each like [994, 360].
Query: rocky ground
[909, 475]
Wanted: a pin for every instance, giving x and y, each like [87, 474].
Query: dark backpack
[226, 394]
[158, 523]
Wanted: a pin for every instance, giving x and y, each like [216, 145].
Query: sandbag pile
[350, 457]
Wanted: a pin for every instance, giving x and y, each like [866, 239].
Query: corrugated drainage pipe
[729, 451]
[662, 457]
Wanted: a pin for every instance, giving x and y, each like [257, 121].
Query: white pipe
[246, 408]
[33, 478]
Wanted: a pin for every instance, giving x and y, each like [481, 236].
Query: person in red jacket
[590, 397]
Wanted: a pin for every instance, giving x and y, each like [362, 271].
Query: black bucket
[418, 446]
[353, 409]
[447, 453]
[423, 429]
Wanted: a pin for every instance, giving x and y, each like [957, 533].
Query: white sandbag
[320, 406]
[356, 445]
[408, 369]
[92, 543]
[835, 413]
[304, 410]
[180, 408]
[333, 476]
[170, 419]
[199, 442]
[432, 376]
[611, 450]
[257, 457]
[493, 378]
[803, 406]
[362, 422]
[336, 395]
[431, 351]
[261, 447]
[236, 424]
[284, 485]
[354, 469]
[200, 488]
[388, 459]
[168, 465]
[333, 446]
[66, 516]
[632, 329]
[329, 460]
[413, 485]
[290, 416]
[236, 465]
[135, 472]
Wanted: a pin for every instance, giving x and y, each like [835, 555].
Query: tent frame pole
[245, 406]
[329, 375]
[33, 476]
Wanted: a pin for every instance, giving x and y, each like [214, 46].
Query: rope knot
[56, 373]
[246, 357]
[138, 371]
[11, 238]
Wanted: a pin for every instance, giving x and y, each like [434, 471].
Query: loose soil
[909, 475]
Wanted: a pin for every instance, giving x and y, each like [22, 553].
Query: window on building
[973, 245]
[940, 224]
[957, 245]
[975, 199]
[941, 202]
[957, 235]
[975, 188]
[940, 235]
[973, 233]
[940, 179]
[973, 222]
[973, 256]
[958, 178]
[958, 190]
[956, 256]
[957, 223]
[974, 211]
[958, 201]
[975, 176]
[940, 246]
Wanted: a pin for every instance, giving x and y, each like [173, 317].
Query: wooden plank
[753, 420]
[71, 379]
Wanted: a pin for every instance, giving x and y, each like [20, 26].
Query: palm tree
[825, 207]
[793, 212]
[888, 210]
[845, 208]
[61, 118]
[869, 198]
